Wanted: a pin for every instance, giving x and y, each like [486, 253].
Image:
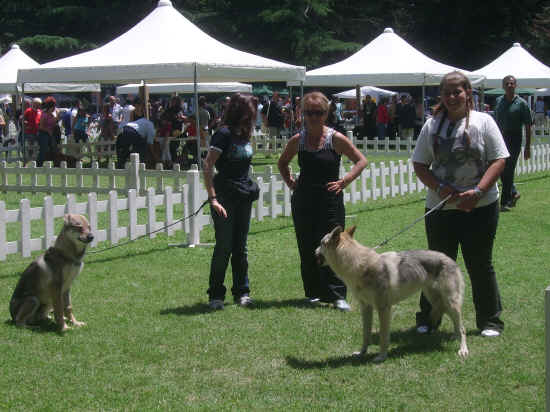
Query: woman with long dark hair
[231, 193]
[461, 153]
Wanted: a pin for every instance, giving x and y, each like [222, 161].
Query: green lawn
[151, 343]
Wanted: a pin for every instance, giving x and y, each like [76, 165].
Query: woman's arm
[469, 198]
[288, 154]
[344, 146]
[208, 173]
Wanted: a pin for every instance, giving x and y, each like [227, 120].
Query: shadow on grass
[44, 326]
[127, 255]
[408, 342]
[201, 308]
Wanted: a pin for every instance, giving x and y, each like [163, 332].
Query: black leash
[150, 233]
[433, 209]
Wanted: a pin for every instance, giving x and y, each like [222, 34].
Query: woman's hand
[291, 183]
[218, 208]
[467, 200]
[336, 186]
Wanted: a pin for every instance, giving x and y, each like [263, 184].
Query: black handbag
[238, 190]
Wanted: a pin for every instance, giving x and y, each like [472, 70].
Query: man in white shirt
[137, 137]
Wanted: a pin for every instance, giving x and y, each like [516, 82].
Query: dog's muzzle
[89, 237]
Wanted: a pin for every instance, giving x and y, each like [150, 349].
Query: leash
[433, 209]
[150, 233]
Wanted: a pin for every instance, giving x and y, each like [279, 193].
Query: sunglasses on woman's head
[317, 113]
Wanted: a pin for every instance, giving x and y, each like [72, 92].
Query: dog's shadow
[44, 326]
[408, 342]
[202, 308]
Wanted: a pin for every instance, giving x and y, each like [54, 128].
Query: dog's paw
[359, 354]
[463, 353]
[64, 328]
[78, 324]
[381, 357]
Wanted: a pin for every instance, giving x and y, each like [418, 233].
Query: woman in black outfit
[231, 152]
[318, 200]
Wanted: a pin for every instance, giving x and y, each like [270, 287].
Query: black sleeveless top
[319, 167]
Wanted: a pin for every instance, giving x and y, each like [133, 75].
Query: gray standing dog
[46, 283]
[381, 280]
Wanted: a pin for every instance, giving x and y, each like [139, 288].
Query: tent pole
[423, 99]
[23, 143]
[302, 103]
[197, 117]
[291, 112]
[357, 103]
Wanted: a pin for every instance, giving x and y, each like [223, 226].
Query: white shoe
[215, 304]
[244, 300]
[313, 301]
[422, 329]
[490, 333]
[342, 305]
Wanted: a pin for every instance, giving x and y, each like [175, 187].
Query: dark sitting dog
[46, 283]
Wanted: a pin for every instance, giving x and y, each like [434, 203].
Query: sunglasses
[312, 113]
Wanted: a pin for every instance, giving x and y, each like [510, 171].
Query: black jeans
[475, 233]
[231, 237]
[315, 213]
[129, 138]
[507, 176]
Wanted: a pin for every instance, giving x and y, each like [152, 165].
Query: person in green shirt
[512, 115]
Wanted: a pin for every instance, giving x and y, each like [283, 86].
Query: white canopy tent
[372, 91]
[518, 62]
[16, 59]
[186, 88]
[149, 51]
[388, 60]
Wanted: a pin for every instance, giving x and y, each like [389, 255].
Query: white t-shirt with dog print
[460, 159]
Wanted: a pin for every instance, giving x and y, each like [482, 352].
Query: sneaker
[490, 333]
[342, 305]
[505, 208]
[244, 300]
[215, 304]
[514, 200]
[422, 329]
[313, 301]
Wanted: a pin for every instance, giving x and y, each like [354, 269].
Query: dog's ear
[67, 219]
[71, 220]
[335, 234]
[351, 230]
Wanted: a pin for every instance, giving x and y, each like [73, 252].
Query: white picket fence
[147, 190]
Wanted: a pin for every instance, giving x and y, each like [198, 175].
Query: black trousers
[507, 176]
[315, 213]
[130, 141]
[475, 233]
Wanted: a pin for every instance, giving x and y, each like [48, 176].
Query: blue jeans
[475, 233]
[381, 129]
[44, 147]
[231, 238]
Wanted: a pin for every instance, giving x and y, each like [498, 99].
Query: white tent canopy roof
[388, 60]
[518, 62]
[16, 59]
[154, 51]
[166, 88]
[10, 62]
[372, 91]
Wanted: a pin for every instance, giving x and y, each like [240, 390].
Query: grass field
[151, 343]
